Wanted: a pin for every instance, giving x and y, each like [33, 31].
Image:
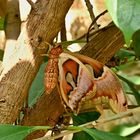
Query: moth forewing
[96, 65]
[61, 79]
[64, 56]
[85, 87]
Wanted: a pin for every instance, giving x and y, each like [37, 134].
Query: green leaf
[37, 87]
[15, 132]
[101, 135]
[135, 79]
[98, 134]
[125, 66]
[125, 14]
[132, 87]
[81, 119]
[85, 117]
[82, 136]
[123, 53]
[136, 43]
[126, 129]
[127, 88]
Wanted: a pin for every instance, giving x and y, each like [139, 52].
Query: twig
[97, 19]
[32, 4]
[93, 124]
[94, 21]
[63, 32]
[96, 31]
[90, 9]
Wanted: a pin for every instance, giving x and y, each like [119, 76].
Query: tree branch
[23, 65]
[63, 32]
[104, 44]
[92, 16]
[32, 4]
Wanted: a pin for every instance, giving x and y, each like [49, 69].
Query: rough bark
[12, 20]
[3, 8]
[103, 46]
[43, 25]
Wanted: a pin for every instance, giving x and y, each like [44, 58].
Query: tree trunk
[43, 24]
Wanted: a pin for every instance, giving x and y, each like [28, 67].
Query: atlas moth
[83, 82]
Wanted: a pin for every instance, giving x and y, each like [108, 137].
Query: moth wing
[75, 81]
[109, 89]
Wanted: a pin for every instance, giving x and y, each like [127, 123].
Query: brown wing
[109, 89]
[75, 81]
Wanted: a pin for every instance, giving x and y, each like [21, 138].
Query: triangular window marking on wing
[84, 82]
[89, 67]
[70, 80]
